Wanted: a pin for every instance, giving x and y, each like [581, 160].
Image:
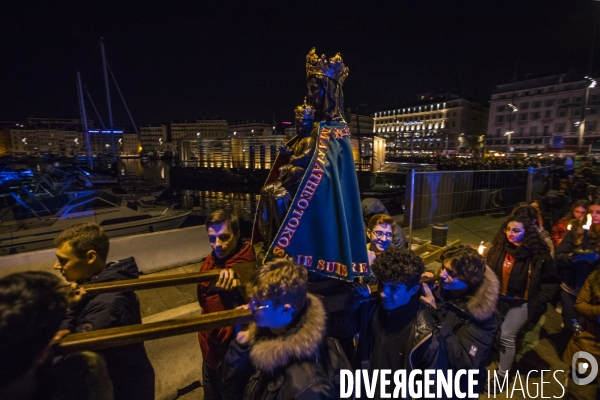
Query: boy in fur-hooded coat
[279, 362]
[466, 306]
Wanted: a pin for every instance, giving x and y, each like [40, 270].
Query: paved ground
[177, 360]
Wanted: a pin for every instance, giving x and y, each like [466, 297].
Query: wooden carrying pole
[112, 337]
[120, 336]
[153, 282]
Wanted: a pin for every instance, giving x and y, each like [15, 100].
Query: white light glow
[481, 248]
[588, 223]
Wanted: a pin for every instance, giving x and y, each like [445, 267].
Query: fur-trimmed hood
[302, 341]
[483, 302]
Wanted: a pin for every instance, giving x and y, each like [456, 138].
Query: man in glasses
[228, 251]
[371, 207]
[466, 305]
[278, 356]
[380, 231]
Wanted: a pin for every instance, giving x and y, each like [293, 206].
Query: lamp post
[510, 131]
[590, 84]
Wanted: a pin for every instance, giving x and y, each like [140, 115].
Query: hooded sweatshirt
[128, 366]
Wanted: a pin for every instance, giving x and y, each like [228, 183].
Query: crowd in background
[460, 163]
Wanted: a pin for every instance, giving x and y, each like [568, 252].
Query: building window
[590, 126]
[577, 99]
[549, 103]
[592, 111]
[524, 106]
[523, 117]
[521, 131]
[499, 118]
[548, 114]
[535, 115]
[533, 130]
[498, 132]
[564, 101]
[562, 112]
[536, 104]
[576, 111]
[594, 97]
[546, 130]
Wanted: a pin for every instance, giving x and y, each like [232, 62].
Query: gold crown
[334, 68]
[304, 111]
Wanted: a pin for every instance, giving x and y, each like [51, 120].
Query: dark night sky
[245, 59]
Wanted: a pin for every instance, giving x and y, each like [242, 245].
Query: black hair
[31, 311]
[398, 266]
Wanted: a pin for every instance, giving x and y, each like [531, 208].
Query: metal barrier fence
[441, 196]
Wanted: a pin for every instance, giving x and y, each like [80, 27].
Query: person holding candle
[528, 279]
[576, 258]
[559, 231]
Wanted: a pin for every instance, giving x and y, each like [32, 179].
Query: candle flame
[589, 222]
[481, 248]
[569, 227]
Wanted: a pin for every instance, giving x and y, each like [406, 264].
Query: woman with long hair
[522, 262]
[534, 215]
[559, 231]
[574, 265]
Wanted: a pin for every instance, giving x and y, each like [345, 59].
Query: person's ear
[413, 290]
[92, 255]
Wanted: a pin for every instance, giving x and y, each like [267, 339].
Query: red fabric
[214, 343]
[559, 231]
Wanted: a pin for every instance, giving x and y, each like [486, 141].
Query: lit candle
[481, 248]
[586, 228]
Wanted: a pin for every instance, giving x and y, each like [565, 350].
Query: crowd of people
[477, 163]
[546, 252]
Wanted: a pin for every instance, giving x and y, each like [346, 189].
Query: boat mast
[84, 122]
[110, 118]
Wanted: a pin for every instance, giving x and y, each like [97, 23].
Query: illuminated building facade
[240, 129]
[210, 128]
[543, 115]
[436, 124]
[131, 144]
[248, 153]
[153, 137]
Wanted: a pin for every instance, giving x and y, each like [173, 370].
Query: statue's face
[304, 127]
[315, 94]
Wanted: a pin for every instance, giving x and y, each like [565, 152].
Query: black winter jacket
[543, 284]
[470, 325]
[128, 366]
[280, 367]
[426, 348]
[574, 274]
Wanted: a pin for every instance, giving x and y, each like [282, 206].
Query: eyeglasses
[380, 234]
[513, 231]
[255, 305]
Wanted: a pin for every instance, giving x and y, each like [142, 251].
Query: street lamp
[510, 131]
[591, 83]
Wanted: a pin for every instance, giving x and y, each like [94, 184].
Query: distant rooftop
[530, 81]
